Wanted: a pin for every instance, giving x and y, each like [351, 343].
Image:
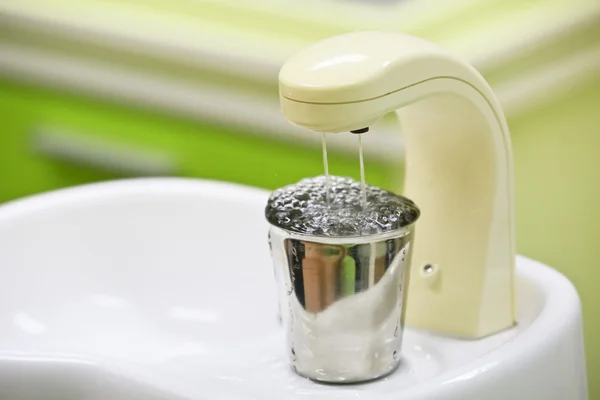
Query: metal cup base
[344, 376]
[342, 303]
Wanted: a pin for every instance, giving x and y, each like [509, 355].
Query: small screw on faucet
[428, 269]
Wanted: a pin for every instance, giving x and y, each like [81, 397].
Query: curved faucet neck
[459, 172]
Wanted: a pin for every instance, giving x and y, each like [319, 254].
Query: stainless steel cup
[342, 301]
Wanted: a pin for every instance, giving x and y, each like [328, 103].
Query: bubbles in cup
[303, 208]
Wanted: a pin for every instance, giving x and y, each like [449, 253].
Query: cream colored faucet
[458, 165]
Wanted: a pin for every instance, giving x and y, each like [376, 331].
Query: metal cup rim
[358, 239]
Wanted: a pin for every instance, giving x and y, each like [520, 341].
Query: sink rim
[561, 301]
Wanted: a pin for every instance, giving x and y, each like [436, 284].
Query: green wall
[197, 149]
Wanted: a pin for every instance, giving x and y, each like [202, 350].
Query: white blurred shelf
[173, 34]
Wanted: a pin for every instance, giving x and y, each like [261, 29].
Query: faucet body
[458, 165]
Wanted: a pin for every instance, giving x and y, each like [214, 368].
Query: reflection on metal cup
[342, 301]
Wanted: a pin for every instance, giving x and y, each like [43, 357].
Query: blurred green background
[96, 90]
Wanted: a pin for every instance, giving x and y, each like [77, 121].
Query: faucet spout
[458, 165]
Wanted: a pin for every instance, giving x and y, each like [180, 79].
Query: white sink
[164, 289]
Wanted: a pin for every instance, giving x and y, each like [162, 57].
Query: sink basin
[164, 289]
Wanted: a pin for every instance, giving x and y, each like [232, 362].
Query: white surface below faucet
[163, 289]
